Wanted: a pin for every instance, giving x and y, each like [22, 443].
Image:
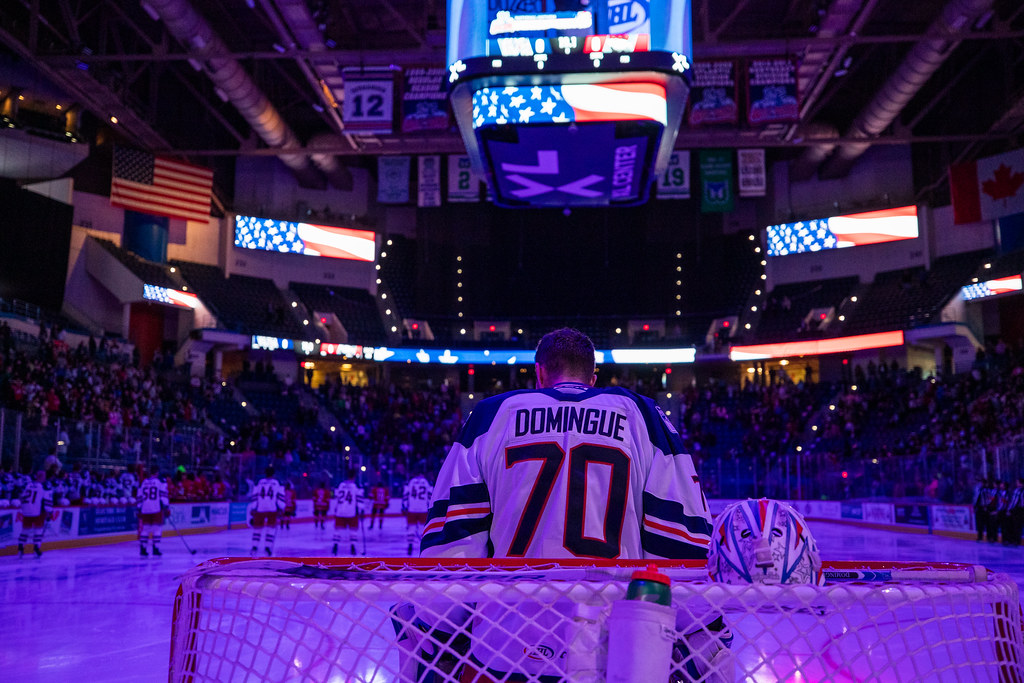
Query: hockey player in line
[36, 503]
[566, 470]
[289, 506]
[321, 505]
[154, 504]
[415, 503]
[267, 501]
[348, 502]
[380, 496]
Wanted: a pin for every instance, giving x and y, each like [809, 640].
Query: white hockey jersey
[570, 471]
[348, 500]
[36, 499]
[268, 495]
[153, 496]
[416, 495]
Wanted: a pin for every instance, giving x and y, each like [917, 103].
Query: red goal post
[434, 621]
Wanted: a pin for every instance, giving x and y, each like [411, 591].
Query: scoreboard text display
[569, 102]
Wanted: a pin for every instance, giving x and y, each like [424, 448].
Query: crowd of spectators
[400, 428]
[881, 431]
[95, 384]
[891, 432]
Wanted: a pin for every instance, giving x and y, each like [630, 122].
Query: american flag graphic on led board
[980, 290]
[582, 102]
[291, 237]
[838, 232]
[173, 297]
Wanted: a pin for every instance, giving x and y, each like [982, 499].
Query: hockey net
[430, 621]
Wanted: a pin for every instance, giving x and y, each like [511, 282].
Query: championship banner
[428, 181]
[674, 183]
[425, 100]
[369, 105]
[393, 180]
[988, 188]
[716, 182]
[713, 94]
[463, 184]
[753, 175]
[772, 95]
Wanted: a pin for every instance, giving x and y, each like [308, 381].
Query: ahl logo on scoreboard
[628, 16]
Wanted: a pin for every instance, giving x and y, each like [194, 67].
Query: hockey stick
[974, 574]
[362, 532]
[176, 531]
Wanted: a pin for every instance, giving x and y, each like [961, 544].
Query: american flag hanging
[160, 186]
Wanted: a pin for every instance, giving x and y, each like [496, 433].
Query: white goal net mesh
[428, 622]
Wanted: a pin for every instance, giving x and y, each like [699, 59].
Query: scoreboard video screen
[549, 29]
[569, 102]
[293, 237]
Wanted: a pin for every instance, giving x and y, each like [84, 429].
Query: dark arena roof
[891, 93]
[113, 57]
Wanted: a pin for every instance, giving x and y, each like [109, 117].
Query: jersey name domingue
[570, 419]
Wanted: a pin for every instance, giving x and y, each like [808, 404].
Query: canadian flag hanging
[988, 188]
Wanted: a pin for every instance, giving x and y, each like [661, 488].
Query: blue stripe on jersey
[671, 511]
[457, 530]
[460, 495]
[670, 548]
[483, 415]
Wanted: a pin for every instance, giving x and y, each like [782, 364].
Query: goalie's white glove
[703, 654]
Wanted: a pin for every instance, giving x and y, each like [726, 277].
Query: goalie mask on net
[763, 541]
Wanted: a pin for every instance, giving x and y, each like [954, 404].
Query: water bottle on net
[641, 630]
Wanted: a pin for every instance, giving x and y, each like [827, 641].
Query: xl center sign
[589, 164]
[569, 103]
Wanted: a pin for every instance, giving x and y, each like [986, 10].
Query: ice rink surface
[103, 614]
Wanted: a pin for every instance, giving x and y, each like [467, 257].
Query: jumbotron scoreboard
[569, 103]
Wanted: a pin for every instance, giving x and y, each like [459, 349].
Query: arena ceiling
[944, 76]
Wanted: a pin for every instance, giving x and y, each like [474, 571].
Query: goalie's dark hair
[566, 353]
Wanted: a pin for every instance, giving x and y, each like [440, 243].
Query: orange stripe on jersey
[675, 532]
[439, 522]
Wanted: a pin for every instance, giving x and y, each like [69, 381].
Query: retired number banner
[429, 181]
[674, 183]
[716, 181]
[393, 180]
[463, 184]
[752, 172]
[369, 105]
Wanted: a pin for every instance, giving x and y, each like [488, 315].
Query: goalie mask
[763, 541]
